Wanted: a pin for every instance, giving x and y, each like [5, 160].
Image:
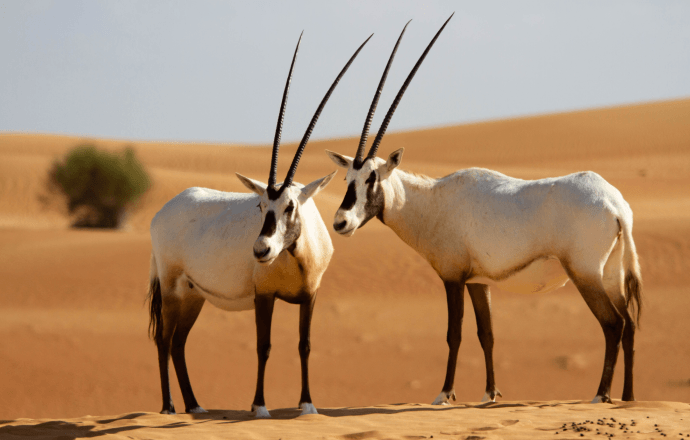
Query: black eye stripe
[350, 197]
[269, 227]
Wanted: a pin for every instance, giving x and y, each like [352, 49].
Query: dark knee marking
[263, 350]
[486, 338]
[304, 348]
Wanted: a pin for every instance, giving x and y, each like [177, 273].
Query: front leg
[264, 314]
[455, 298]
[305, 313]
[481, 300]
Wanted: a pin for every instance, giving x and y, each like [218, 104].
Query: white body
[205, 237]
[509, 232]
[503, 231]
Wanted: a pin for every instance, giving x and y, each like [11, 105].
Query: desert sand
[74, 351]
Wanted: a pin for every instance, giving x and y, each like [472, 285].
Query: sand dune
[73, 322]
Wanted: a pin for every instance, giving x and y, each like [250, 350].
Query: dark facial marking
[269, 227]
[375, 201]
[350, 197]
[293, 229]
[371, 179]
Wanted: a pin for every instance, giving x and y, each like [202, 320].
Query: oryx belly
[540, 276]
[229, 304]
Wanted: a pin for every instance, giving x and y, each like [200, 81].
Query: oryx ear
[313, 188]
[340, 160]
[252, 185]
[392, 163]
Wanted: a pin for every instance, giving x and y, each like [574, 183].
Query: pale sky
[215, 70]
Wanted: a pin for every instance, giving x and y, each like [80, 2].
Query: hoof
[307, 408]
[260, 412]
[491, 396]
[196, 410]
[444, 398]
[602, 399]
[169, 411]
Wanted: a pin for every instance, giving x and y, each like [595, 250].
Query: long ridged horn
[391, 110]
[279, 126]
[374, 103]
[305, 138]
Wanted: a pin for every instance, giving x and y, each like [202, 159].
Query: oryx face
[281, 224]
[367, 185]
[281, 205]
[365, 196]
[281, 215]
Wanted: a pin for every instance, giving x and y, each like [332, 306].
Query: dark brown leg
[455, 298]
[629, 353]
[169, 314]
[613, 325]
[481, 300]
[305, 313]
[264, 314]
[189, 311]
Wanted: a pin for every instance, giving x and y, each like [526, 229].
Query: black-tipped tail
[633, 295]
[155, 309]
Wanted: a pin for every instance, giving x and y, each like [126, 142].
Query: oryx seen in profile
[239, 251]
[478, 227]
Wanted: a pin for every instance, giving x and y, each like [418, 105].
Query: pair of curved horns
[384, 125]
[310, 128]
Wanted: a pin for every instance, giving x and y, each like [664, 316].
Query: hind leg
[629, 352]
[170, 309]
[592, 289]
[614, 284]
[481, 301]
[189, 310]
[616, 295]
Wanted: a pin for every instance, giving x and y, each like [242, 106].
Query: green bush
[99, 186]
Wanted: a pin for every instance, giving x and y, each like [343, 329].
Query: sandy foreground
[73, 321]
[504, 420]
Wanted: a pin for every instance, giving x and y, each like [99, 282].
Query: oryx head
[281, 204]
[366, 176]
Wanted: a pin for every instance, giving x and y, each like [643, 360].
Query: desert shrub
[98, 186]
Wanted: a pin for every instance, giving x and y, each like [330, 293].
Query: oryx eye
[290, 208]
[371, 178]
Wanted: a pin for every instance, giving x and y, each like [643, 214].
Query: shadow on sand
[95, 428]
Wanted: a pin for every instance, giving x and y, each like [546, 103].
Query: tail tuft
[155, 309]
[633, 294]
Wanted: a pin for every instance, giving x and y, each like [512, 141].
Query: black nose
[259, 255]
[340, 225]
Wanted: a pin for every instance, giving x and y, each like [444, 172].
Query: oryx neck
[408, 204]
